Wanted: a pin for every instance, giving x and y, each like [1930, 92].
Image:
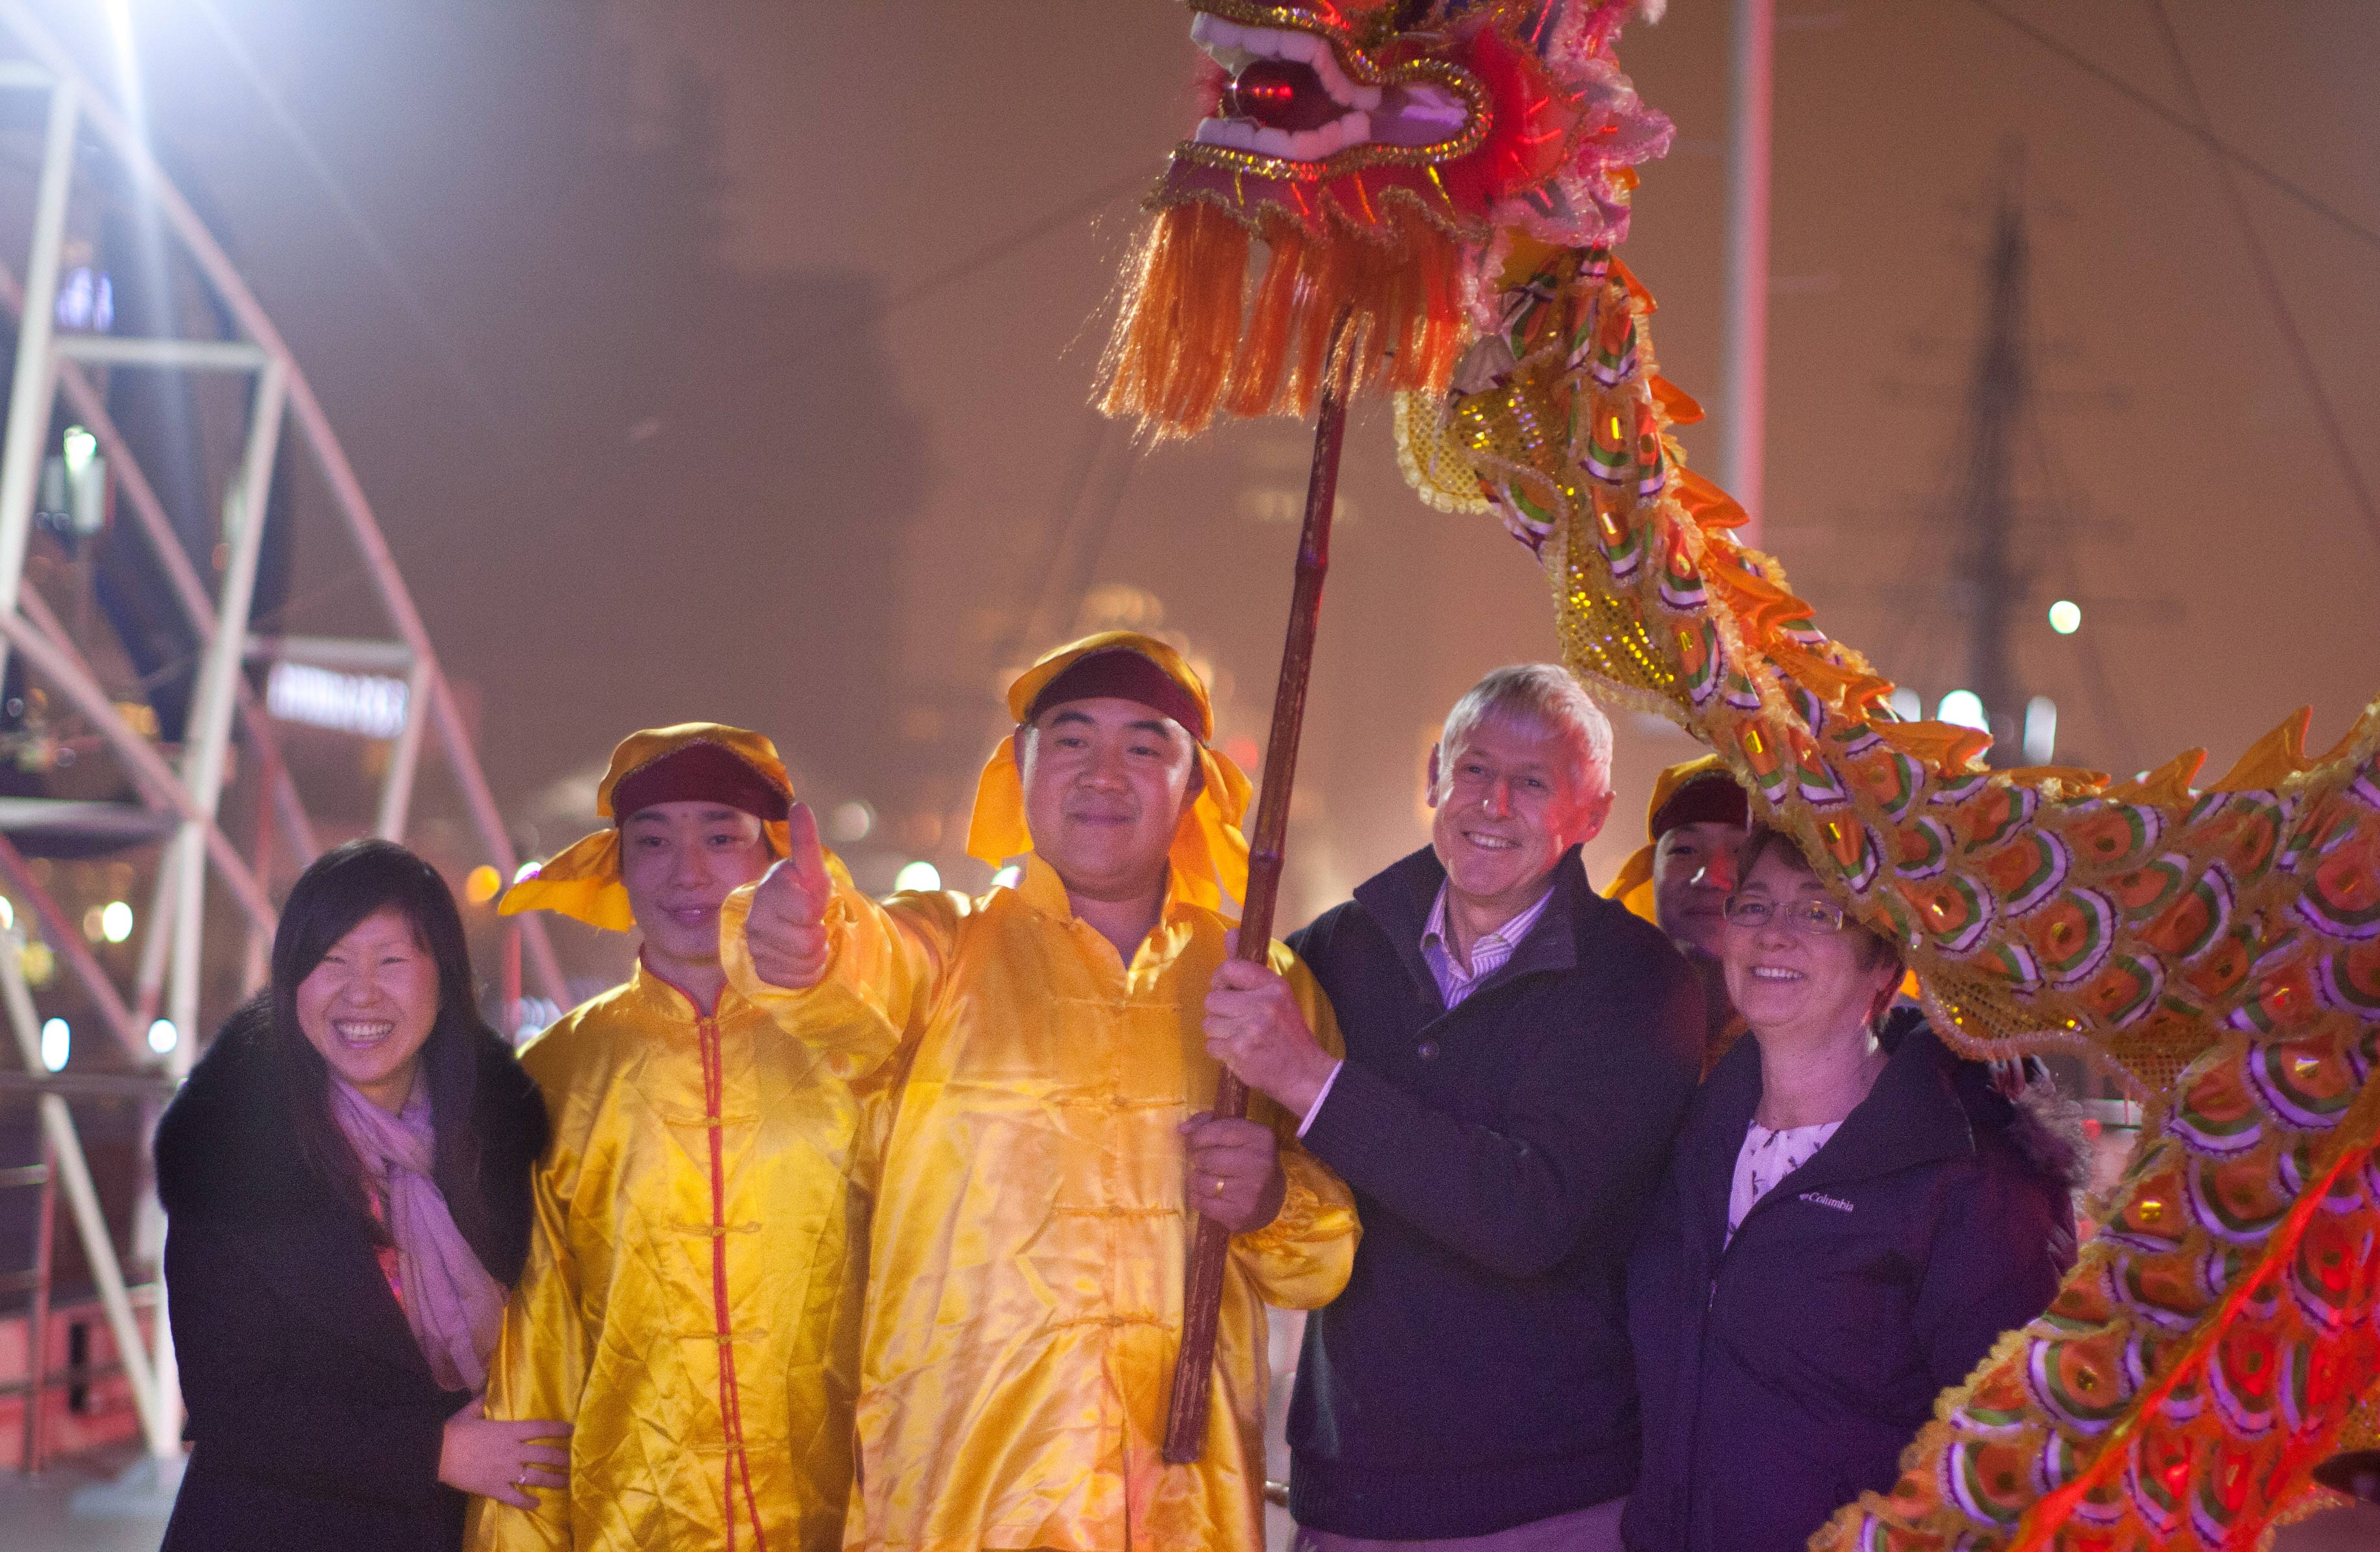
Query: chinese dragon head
[1387, 155]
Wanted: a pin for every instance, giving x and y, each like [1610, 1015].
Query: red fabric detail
[700, 773]
[1530, 124]
[1708, 800]
[391, 1268]
[730, 1407]
[1208, 85]
[701, 1010]
[1127, 676]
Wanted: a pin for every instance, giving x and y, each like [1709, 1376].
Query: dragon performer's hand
[786, 930]
[1231, 1171]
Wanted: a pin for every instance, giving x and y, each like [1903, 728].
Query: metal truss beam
[187, 355]
[197, 609]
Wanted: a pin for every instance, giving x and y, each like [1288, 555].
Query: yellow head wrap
[1633, 885]
[1210, 857]
[583, 879]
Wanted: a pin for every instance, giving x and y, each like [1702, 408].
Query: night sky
[730, 359]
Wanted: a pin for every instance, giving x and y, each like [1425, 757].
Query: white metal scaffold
[180, 791]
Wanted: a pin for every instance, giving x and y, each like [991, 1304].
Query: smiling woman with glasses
[1852, 1216]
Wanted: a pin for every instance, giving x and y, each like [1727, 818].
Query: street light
[1963, 708]
[2040, 730]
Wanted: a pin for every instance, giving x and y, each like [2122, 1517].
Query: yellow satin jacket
[1028, 1250]
[699, 1235]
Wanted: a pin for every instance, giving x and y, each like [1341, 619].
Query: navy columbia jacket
[1784, 1373]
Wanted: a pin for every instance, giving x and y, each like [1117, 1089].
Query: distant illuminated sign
[370, 705]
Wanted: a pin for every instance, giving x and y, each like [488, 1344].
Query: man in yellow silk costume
[1047, 1145]
[691, 1301]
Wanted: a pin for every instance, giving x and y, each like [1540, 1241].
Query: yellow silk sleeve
[1302, 1259]
[884, 970]
[539, 1366]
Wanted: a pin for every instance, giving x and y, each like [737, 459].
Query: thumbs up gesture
[786, 929]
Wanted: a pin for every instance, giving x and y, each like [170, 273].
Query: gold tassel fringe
[1194, 339]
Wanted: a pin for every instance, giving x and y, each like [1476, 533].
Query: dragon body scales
[2216, 947]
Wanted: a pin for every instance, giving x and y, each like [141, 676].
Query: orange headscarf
[583, 879]
[1210, 857]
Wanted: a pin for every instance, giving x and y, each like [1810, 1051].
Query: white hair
[1544, 696]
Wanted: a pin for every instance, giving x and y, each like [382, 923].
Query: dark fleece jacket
[1784, 1372]
[315, 1420]
[1475, 1374]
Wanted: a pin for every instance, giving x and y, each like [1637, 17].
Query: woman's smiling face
[1790, 983]
[370, 1004]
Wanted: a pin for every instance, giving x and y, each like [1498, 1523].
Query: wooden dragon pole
[1186, 1412]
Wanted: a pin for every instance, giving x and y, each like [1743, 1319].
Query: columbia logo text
[1823, 1200]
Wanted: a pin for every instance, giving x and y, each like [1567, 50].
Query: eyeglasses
[1809, 918]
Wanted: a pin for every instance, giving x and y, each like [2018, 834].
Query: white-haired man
[1520, 1052]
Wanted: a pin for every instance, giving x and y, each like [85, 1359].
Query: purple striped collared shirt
[1488, 955]
[1457, 981]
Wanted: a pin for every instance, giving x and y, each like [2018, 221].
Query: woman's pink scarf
[451, 1302]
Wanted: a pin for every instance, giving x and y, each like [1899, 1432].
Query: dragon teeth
[1302, 145]
[1233, 46]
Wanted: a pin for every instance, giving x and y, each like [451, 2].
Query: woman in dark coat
[345, 1180]
[1853, 1216]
